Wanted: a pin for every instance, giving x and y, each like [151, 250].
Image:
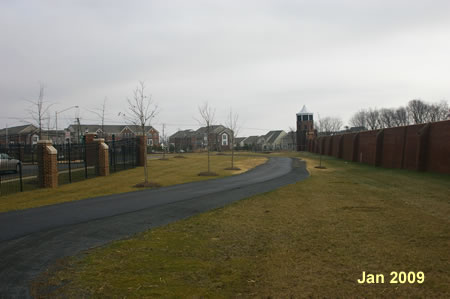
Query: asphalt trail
[31, 240]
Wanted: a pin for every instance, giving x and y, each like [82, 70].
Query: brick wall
[424, 147]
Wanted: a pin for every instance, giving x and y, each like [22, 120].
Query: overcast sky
[264, 59]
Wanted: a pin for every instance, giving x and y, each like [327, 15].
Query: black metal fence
[18, 168]
[76, 162]
[122, 154]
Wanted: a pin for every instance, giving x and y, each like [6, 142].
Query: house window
[224, 139]
[150, 142]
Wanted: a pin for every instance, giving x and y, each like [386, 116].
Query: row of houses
[272, 141]
[220, 139]
[29, 134]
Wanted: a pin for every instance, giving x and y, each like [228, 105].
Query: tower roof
[304, 111]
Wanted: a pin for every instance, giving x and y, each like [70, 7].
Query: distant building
[288, 142]
[188, 140]
[305, 128]
[26, 134]
[108, 131]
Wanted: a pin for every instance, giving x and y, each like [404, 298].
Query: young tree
[142, 110]
[39, 110]
[232, 124]
[207, 115]
[100, 112]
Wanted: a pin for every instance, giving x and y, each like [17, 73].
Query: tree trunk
[145, 155]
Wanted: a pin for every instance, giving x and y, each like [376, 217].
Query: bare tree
[401, 117]
[387, 118]
[373, 119]
[142, 110]
[233, 125]
[39, 110]
[418, 111]
[329, 125]
[437, 111]
[207, 115]
[359, 119]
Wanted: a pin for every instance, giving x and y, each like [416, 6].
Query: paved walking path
[32, 239]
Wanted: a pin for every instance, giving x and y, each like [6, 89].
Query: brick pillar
[47, 164]
[91, 149]
[340, 152]
[379, 148]
[102, 157]
[422, 148]
[141, 147]
[330, 146]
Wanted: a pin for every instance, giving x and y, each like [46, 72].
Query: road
[32, 239]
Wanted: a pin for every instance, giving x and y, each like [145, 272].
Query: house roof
[251, 139]
[182, 134]
[110, 129]
[273, 135]
[25, 129]
[239, 139]
[212, 129]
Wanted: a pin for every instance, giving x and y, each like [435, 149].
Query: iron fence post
[69, 156]
[20, 168]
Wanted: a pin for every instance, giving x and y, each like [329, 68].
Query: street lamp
[56, 117]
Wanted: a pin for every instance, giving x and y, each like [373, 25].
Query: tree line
[416, 112]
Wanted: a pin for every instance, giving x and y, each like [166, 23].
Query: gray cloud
[263, 58]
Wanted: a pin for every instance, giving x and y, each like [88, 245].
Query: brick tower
[305, 128]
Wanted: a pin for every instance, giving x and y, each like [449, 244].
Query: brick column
[102, 157]
[47, 164]
[340, 153]
[355, 148]
[141, 147]
[91, 149]
[422, 148]
[379, 148]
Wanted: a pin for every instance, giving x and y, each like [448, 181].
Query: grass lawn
[165, 172]
[313, 238]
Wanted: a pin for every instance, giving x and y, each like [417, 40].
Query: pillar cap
[44, 141]
[99, 139]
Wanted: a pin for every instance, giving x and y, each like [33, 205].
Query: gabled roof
[251, 139]
[273, 135]
[110, 129]
[239, 139]
[25, 129]
[212, 129]
[182, 134]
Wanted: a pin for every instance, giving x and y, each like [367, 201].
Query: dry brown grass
[161, 173]
[310, 239]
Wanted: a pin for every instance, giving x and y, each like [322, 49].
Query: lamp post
[56, 117]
